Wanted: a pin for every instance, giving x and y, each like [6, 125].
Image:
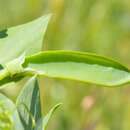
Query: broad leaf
[29, 104]
[84, 67]
[48, 116]
[10, 114]
[23, 38]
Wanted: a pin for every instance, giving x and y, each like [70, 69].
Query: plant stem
[4, 73]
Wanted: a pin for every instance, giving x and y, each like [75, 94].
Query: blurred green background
[99, 26]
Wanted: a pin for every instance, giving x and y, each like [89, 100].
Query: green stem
[4, 73]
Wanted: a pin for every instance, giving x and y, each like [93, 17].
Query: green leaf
[84, 67]
[11, 117]
[23, 38]
[29, 104]
[49, 115]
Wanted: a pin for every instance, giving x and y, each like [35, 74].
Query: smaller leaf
[49, 115]
[30, 100]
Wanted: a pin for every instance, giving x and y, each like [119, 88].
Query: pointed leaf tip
[49, 115]
[27, 38]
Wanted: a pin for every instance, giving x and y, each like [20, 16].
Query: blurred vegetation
[98, 26]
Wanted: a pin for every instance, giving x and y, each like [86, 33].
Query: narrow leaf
[49, 115]
[29, 106]
[84, 67]
[23, 38]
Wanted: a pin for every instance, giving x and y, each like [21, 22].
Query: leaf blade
[23, 38]
[30, 96]
[84, 67]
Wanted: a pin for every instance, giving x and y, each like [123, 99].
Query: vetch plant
[22, 62]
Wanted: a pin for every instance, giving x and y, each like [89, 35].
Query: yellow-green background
[99, 26]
